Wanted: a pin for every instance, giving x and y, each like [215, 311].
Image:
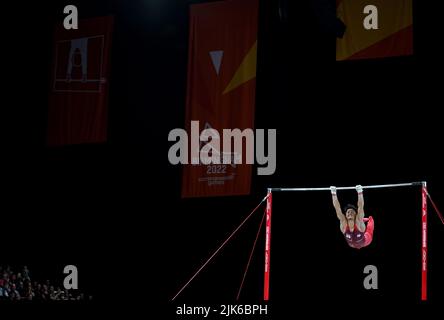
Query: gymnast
[352, 222]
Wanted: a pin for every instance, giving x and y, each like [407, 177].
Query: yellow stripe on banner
[393, 16]
[246, 71]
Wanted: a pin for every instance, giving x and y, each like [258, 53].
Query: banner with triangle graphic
[393, 36]
[221, 88]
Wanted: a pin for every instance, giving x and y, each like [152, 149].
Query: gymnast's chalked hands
[333, 190]
[359, 188]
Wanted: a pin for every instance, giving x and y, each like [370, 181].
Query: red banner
[221, 88]
[78, 108]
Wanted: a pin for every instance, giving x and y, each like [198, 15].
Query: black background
[114, 210]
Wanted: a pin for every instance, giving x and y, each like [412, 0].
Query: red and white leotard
[357, 239]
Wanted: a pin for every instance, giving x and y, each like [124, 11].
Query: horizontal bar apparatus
[424, 227]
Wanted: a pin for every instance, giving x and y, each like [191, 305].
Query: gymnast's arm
[337, 207]
[360, 216]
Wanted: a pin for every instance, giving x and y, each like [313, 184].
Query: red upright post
[424, 243]
[267, 246]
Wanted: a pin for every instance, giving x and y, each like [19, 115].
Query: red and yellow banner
[394, 37]
[221, 88]
[78, 103]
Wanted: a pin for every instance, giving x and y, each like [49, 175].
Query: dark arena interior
[111, 204]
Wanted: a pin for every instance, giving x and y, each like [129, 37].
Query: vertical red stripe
[267, 247]
[424, 244]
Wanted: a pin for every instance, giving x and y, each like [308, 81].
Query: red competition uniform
[357, 239]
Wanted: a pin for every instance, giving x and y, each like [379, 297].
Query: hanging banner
[375, 29]
[78, 104]
[221, 89]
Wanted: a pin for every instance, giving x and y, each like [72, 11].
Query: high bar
[378, 186]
